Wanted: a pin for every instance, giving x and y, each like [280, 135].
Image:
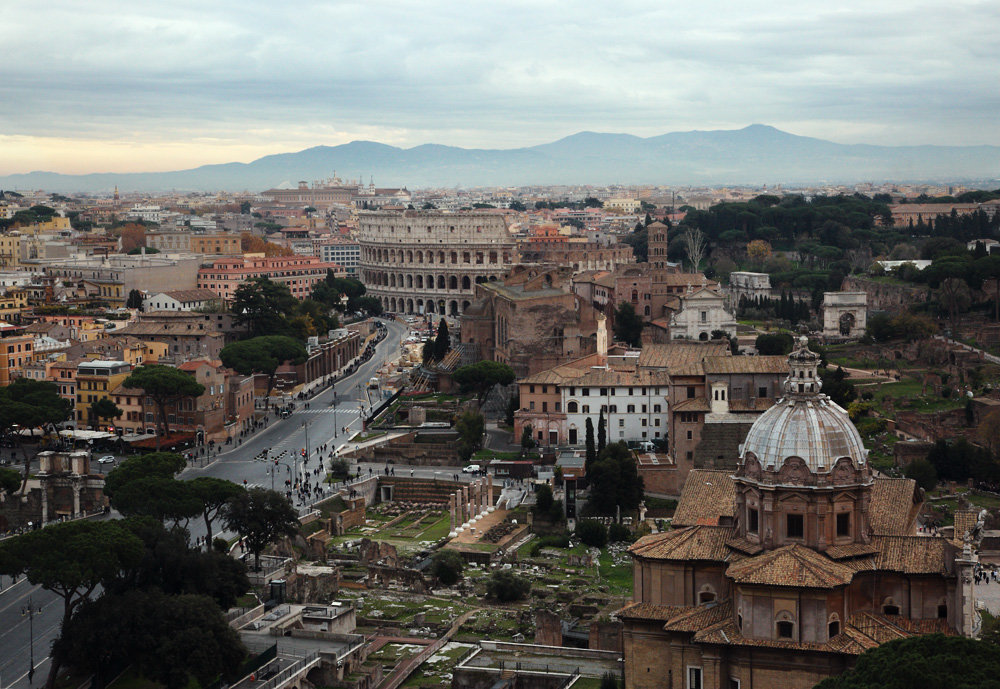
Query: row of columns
[469, 504]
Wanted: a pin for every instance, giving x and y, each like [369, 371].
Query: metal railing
[291, 672]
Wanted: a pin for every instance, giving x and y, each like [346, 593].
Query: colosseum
[430, 261]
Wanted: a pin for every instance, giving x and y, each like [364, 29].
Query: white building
[634, 404]
[347, 256]
[180, 300]
[703, 311]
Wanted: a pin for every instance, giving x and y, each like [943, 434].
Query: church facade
[781, 573]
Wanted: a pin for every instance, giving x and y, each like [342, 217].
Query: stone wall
[662, 479]
[548, 628]
[885, 296]
[720, 445]
[605, 636]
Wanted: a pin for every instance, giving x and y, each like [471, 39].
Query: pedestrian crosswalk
[329, 410]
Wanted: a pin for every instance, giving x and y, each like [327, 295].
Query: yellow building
[12, 303]
[10, 250]
[94, 381]
[88, 331]
[220, 244]
[111, 291]
[15, 352]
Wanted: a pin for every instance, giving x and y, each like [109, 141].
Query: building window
[531, 405]
[734, 683]
[706, 595]
[889, 607]
[630, 409]
[694, 678]
[794, 527]
[762, 392]
[621, 423]
[833, 627]
[586, 409]
[571, 406]
[753, 520]
[690, 392]
[784, 626]
[690, 435]
[586, 392]
[844, 524]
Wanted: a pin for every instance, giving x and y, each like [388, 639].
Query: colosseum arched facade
[430, 261]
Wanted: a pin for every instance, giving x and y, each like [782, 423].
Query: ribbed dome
[811, 427]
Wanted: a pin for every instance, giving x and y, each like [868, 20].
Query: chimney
[602, 336]
[719, 400]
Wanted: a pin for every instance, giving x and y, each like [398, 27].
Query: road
[322, 423]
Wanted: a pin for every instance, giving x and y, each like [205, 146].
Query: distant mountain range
[753, 155]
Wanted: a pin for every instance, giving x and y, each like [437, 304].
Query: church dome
[804, 423]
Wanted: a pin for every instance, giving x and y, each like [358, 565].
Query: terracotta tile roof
[692, 543]
[851, 550]
[746, 364]
[693, 404]
[674, 354]
[880, 629]
[728, 634]
[895, 504]
[965, 520]
[791, 565]
[612, 377]
[708, 494]
[912, 554]
[648, 611]
[744, 546]
[700, 617]
[191, 295]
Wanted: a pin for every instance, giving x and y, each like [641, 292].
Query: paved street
[322, 423]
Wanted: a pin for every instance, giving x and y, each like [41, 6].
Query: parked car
[472, 469]
[106, 459]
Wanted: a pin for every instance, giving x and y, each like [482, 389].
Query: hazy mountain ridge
[752, 155]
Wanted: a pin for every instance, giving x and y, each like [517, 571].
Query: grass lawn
[617, 577]
[131, 679]
[908, 394]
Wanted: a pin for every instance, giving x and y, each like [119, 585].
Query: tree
[774, 343]
[928, 661]
[590, 444]
[543, 498]
[262, 306]
[244, 208]
[447, 566]
[694, 245]
[370, 305]
[153, 465]
[758, 251]
[260, 516]
[470, 427]
[442, 343]
[955, 298]
[527, 438]
[145, 486]
[616, 473]
[10, 480]
[602, 433]
[263, 355]
[184, 639]
[71, 559]
[505, 586]
[482, 376]
[213, 494]
[592, 532]
[923, 472]
[134, 300]
[104, 408]
[837, 387]
[27, 404]
[628, 325]
[164, 385]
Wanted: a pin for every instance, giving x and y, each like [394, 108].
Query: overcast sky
[126, 86]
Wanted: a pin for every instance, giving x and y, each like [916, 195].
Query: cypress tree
[602, 434]
[591, 447]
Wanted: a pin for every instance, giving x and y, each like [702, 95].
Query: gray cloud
[499, 74]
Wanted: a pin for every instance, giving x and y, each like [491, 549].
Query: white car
[471, 469]
[106, 459]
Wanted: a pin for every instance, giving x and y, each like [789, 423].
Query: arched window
[890, 607]
[942, 608]
[833, 626]
[784, 625]
[572, 406]
[706, 594]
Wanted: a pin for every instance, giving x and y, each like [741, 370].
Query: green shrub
[592, 533]
[504, 586]
[619, 533]
[447, 566]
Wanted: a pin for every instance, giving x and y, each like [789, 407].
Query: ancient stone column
[489, 493]
[76, 498]
[451, 512]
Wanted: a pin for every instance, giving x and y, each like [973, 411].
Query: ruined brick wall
[904, 452]
[605, 636]
[883, 296]
[548, 628]
[720, 445]
[663, 479]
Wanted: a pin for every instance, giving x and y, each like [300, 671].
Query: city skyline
[127, 88]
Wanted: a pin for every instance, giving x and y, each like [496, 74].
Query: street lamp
[30, 611]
